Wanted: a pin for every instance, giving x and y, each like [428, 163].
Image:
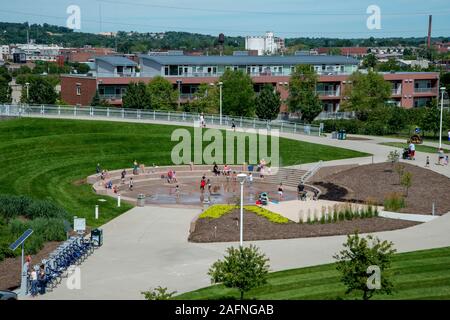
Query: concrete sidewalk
[147, 247]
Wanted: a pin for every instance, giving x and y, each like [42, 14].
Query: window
[78, 89]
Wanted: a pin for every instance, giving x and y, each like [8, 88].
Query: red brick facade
[404, 95]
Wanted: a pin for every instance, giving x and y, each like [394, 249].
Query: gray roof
[117, 61]
[250, 60]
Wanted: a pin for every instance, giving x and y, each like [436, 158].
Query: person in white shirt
[412, 151]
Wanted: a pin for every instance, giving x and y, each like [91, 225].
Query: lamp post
[241, 177]
[442, 110]
[179, 81]
[220, 103]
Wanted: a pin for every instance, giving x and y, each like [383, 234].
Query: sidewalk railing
[105, 113]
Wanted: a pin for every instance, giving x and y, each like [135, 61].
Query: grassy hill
[46, 158]
[417, 275]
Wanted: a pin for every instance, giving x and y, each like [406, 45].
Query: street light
[220, 94]
[179, 81]
[442, 109]
[242, 177]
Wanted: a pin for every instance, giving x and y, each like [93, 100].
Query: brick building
[409, 89]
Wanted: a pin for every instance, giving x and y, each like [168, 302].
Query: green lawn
[417, 275]
[47, 158]
[420, 148]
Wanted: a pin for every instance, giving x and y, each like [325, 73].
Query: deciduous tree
[367, 92]
[243, 268]
[162, 94]
[358, 255]
[302, 93]
[238, 94]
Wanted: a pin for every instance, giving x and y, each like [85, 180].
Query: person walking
[122, 176]
[250, 179]
[233, 125]
[427, 164]
[42, 279]
[98, 169]
[280, 191]
[412, 151]
[34, 282]
[441, 156]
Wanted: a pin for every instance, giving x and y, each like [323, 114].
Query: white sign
[79, 224]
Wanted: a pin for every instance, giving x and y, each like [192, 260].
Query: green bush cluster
[19, 213]
[218, 210]
[12, 206]
[389, 120]
[346, 213]
[394, 202]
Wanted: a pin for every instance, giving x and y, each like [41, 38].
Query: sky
[287, 18]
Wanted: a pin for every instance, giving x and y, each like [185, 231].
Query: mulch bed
[376, 181]
[259, 228]
[10, 267]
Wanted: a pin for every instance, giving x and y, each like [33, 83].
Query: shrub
[218, 210]
[13, 206]
[158, 293]
[45, 208]
[394, 202]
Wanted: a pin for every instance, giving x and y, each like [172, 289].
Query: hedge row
[14, 206]
[19, 213]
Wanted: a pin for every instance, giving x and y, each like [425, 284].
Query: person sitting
[216, 169]
[226, 170]
[264, 198]
[169, 176]
[115, 189]
[301, 191]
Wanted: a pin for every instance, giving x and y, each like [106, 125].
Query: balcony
[426, 90]
[396, 91]
[111, 96]
[328, 93]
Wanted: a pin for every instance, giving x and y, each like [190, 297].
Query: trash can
[140, 200]
[97, 237]
[334, 135]
[339, 135]
[344, 135]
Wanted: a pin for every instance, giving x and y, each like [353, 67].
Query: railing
[421, 90]
[336, 115]
[308, 175]
[396, 91]
[103, 113]
[111, 96]
[330, 93]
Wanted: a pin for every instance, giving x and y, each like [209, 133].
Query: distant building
[442, 47]
[37, 52]
[113, 74]
[356, 52]
[424, 64]
[84, 54]
[265, 45]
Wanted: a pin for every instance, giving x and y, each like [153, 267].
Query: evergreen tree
[137, 96]
[268, 103]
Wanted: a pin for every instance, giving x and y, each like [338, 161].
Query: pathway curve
[147, 247]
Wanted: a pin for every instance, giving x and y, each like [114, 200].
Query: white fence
[103, 113]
